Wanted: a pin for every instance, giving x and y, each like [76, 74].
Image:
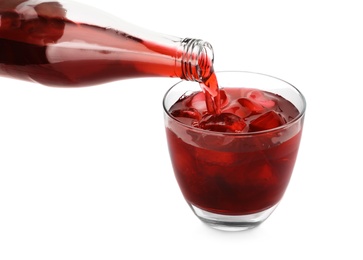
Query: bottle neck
[196, 59]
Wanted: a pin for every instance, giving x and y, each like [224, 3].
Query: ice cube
[224, 122]
[254, 107]
[260, 98]
[237, 110]
[197, 101]
[266, 121]
[187, 116]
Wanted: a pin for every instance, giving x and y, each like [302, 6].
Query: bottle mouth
[197, 59]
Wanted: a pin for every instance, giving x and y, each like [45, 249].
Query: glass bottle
[64, 43]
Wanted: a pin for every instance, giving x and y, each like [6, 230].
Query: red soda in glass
[234, 166]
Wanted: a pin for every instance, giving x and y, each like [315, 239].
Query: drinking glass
[234, 181]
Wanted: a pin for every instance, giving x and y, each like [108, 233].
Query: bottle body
[41, 42]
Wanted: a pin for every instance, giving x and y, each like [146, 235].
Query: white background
[85, 173]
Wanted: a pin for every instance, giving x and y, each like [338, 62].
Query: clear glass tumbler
[234, 181]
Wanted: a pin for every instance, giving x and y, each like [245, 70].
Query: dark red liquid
[223, 172]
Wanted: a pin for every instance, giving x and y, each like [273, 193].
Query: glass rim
[209, 132]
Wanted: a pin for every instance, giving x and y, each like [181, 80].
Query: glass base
[232, 222]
